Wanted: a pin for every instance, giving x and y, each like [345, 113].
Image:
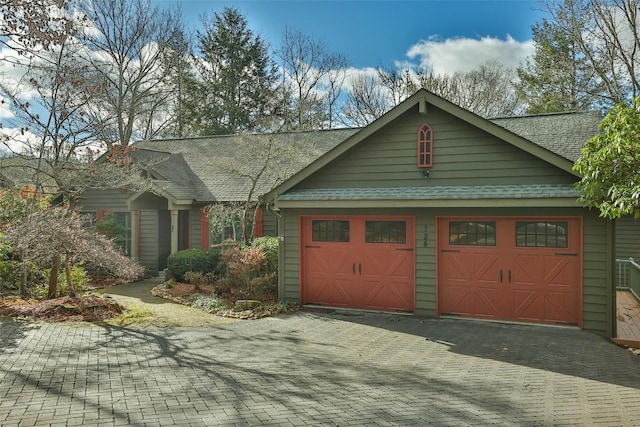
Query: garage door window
[472, 233]
[329, 231]
[541, 234]
[386, 232]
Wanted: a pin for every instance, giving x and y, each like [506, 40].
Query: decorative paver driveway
[320, 369]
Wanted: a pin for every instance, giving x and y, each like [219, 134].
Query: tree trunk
[25, 276]
[53, 277]
[67, 273]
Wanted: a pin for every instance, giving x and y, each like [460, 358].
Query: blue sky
[446, 35]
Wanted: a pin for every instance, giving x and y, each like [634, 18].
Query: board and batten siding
[462, 155]
[597, 265]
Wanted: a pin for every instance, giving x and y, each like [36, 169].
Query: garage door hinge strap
[449, 250]
[311, 247]
[405, 249]
[559, 254]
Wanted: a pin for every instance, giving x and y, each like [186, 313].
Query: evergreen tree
[235, 87]
[557, 77]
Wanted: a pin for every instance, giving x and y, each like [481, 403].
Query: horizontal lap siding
[426, 304]
[627, 238]
[164, 238]
[462, 155]
[597, 276]
[290, 253]
[269, 223]
[194, 228]
[114, 200]
[149, 239]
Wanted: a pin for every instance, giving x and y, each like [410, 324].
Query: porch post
[174, 231]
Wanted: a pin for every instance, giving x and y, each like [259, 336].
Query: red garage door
[523, 269]
[358, 262]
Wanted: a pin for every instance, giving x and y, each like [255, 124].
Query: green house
[190, 174]
[435, 211]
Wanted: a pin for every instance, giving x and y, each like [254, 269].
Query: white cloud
[464, 54]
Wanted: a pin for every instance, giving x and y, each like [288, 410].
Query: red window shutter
[204, 229]
[425, 146]
[259, 224]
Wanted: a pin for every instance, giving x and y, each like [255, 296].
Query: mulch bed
[84, 309]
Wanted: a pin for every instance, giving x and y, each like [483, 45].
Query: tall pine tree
[557, 77]
[234, 91]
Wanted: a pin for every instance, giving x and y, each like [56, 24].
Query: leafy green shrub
[78, 277]
[195, 260]
[11, 275]
[270, 247]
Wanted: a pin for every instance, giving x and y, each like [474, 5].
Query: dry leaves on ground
[85, 308]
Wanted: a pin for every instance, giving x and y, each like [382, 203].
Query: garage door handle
[354, 268]
[500, 276]
[509, 276]
[360, 268]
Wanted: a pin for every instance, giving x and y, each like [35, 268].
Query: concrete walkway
[315, 369]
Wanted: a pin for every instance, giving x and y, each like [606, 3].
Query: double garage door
[358, 262]
[522, 269]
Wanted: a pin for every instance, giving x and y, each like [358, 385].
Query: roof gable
[501, 129]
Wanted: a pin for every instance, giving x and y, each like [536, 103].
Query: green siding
[269, 223]
[194, 228]
[114, 200]
[627, 238]
[463, 155]
[597, 286]
[149, 239]
[164, 238]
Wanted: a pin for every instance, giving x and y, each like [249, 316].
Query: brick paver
[315, 369]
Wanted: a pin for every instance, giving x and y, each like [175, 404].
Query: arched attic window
[425, 146]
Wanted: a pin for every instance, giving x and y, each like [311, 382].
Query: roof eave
[564, 202]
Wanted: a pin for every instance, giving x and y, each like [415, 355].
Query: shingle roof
[19, 171]
[461, 192]
[561, 133]
[210, 168]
